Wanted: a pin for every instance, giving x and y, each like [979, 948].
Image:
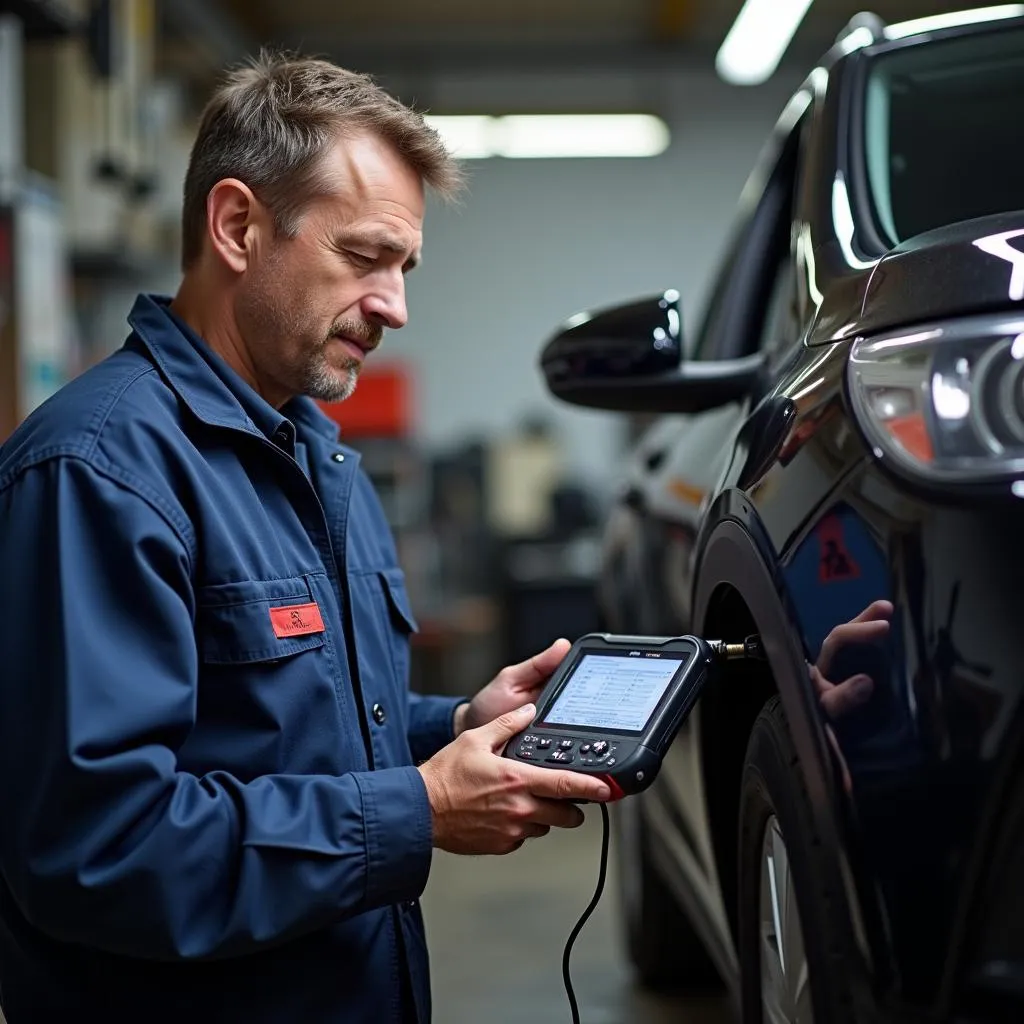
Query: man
[210, 809]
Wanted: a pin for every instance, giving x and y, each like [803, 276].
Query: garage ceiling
[427, 22]
[392, 36]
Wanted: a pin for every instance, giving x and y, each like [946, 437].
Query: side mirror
[630, 359]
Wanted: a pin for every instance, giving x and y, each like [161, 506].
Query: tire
[666, 953]
[776, 819]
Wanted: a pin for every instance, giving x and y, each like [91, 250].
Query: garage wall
[535, 241]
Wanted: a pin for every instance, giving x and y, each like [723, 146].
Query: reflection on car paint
[907, 705]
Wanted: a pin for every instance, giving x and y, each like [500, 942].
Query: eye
[360, 259]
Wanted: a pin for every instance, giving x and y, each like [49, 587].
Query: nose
[385, 305]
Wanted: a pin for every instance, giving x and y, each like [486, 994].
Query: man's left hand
[511, 688]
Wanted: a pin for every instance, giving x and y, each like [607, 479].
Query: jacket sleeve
[431, 723]
[104, 841]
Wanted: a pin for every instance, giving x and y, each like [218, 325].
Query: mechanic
[212, 809]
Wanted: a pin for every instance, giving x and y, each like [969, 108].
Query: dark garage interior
[721, 338]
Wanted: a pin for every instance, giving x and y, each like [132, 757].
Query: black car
[837, 466]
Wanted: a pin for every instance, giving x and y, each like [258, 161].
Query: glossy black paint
[913, 764]
[965, 268]
[890, 612]
[641, 339]
[629, 358]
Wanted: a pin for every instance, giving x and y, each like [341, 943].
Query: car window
[780, 326]
[750, 302]
[942, 138]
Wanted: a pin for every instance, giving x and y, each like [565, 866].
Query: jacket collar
[196, 382]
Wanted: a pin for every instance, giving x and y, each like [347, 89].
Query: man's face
[310, 308]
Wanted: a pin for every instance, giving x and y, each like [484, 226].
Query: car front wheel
[792, 970]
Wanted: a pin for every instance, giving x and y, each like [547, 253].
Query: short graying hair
[271, 122]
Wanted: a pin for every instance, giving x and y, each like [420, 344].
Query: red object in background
[380, 406]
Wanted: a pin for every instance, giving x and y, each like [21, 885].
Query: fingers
[559, 785]
[875, 610]
[497, 733]
[855, 632]
[867, 627]
[841, 699]
[534, 671]
[528, 826]
[539, 817]
[535, 831]
[820, 683]
[528, 832]
[556, 814]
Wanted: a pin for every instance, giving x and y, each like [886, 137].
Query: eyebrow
[388, 243]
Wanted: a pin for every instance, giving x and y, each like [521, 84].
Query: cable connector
[751, 648]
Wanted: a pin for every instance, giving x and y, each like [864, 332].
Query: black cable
[750, 648]
[602, 871]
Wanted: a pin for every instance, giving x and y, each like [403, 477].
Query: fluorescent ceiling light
[584, 135]
[535, 136]
[935, 22]
[468, 138]
[758, 39]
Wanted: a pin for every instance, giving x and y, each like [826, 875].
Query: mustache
[366, 335]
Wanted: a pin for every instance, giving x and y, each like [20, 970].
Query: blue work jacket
[209, 810]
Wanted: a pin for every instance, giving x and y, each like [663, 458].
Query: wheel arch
[736, 592]
[728, 711]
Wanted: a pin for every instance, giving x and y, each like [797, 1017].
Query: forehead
[367, 182]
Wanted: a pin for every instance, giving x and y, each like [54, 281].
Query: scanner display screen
[613, 691]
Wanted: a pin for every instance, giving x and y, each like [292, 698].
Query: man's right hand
[484, 803]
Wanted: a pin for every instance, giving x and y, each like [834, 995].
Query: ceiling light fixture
[469, 138]
[757, 40]
[539, 136]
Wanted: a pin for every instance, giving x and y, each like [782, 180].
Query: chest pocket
[383, 624]
[258, 621]
[268, 698]
[403, 623]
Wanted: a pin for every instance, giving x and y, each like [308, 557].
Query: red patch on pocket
[296, 620]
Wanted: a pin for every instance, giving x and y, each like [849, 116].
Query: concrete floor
[497, 926]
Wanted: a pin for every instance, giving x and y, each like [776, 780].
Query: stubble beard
[317, 375]
[329, 383]
[334, 382]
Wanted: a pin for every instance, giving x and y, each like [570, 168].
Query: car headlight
[946, 402]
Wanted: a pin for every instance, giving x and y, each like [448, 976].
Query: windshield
[944, 131]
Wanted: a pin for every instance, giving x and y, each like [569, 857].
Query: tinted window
[781, 324]
[943, 125]
[746, 284]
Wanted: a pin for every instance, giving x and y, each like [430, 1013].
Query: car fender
[733, 551]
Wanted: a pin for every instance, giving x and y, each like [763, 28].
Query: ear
[234, 219]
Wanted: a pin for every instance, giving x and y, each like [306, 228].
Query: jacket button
[338, 456]
[379, 714]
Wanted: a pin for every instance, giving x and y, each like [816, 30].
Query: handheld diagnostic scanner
[614, 706]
